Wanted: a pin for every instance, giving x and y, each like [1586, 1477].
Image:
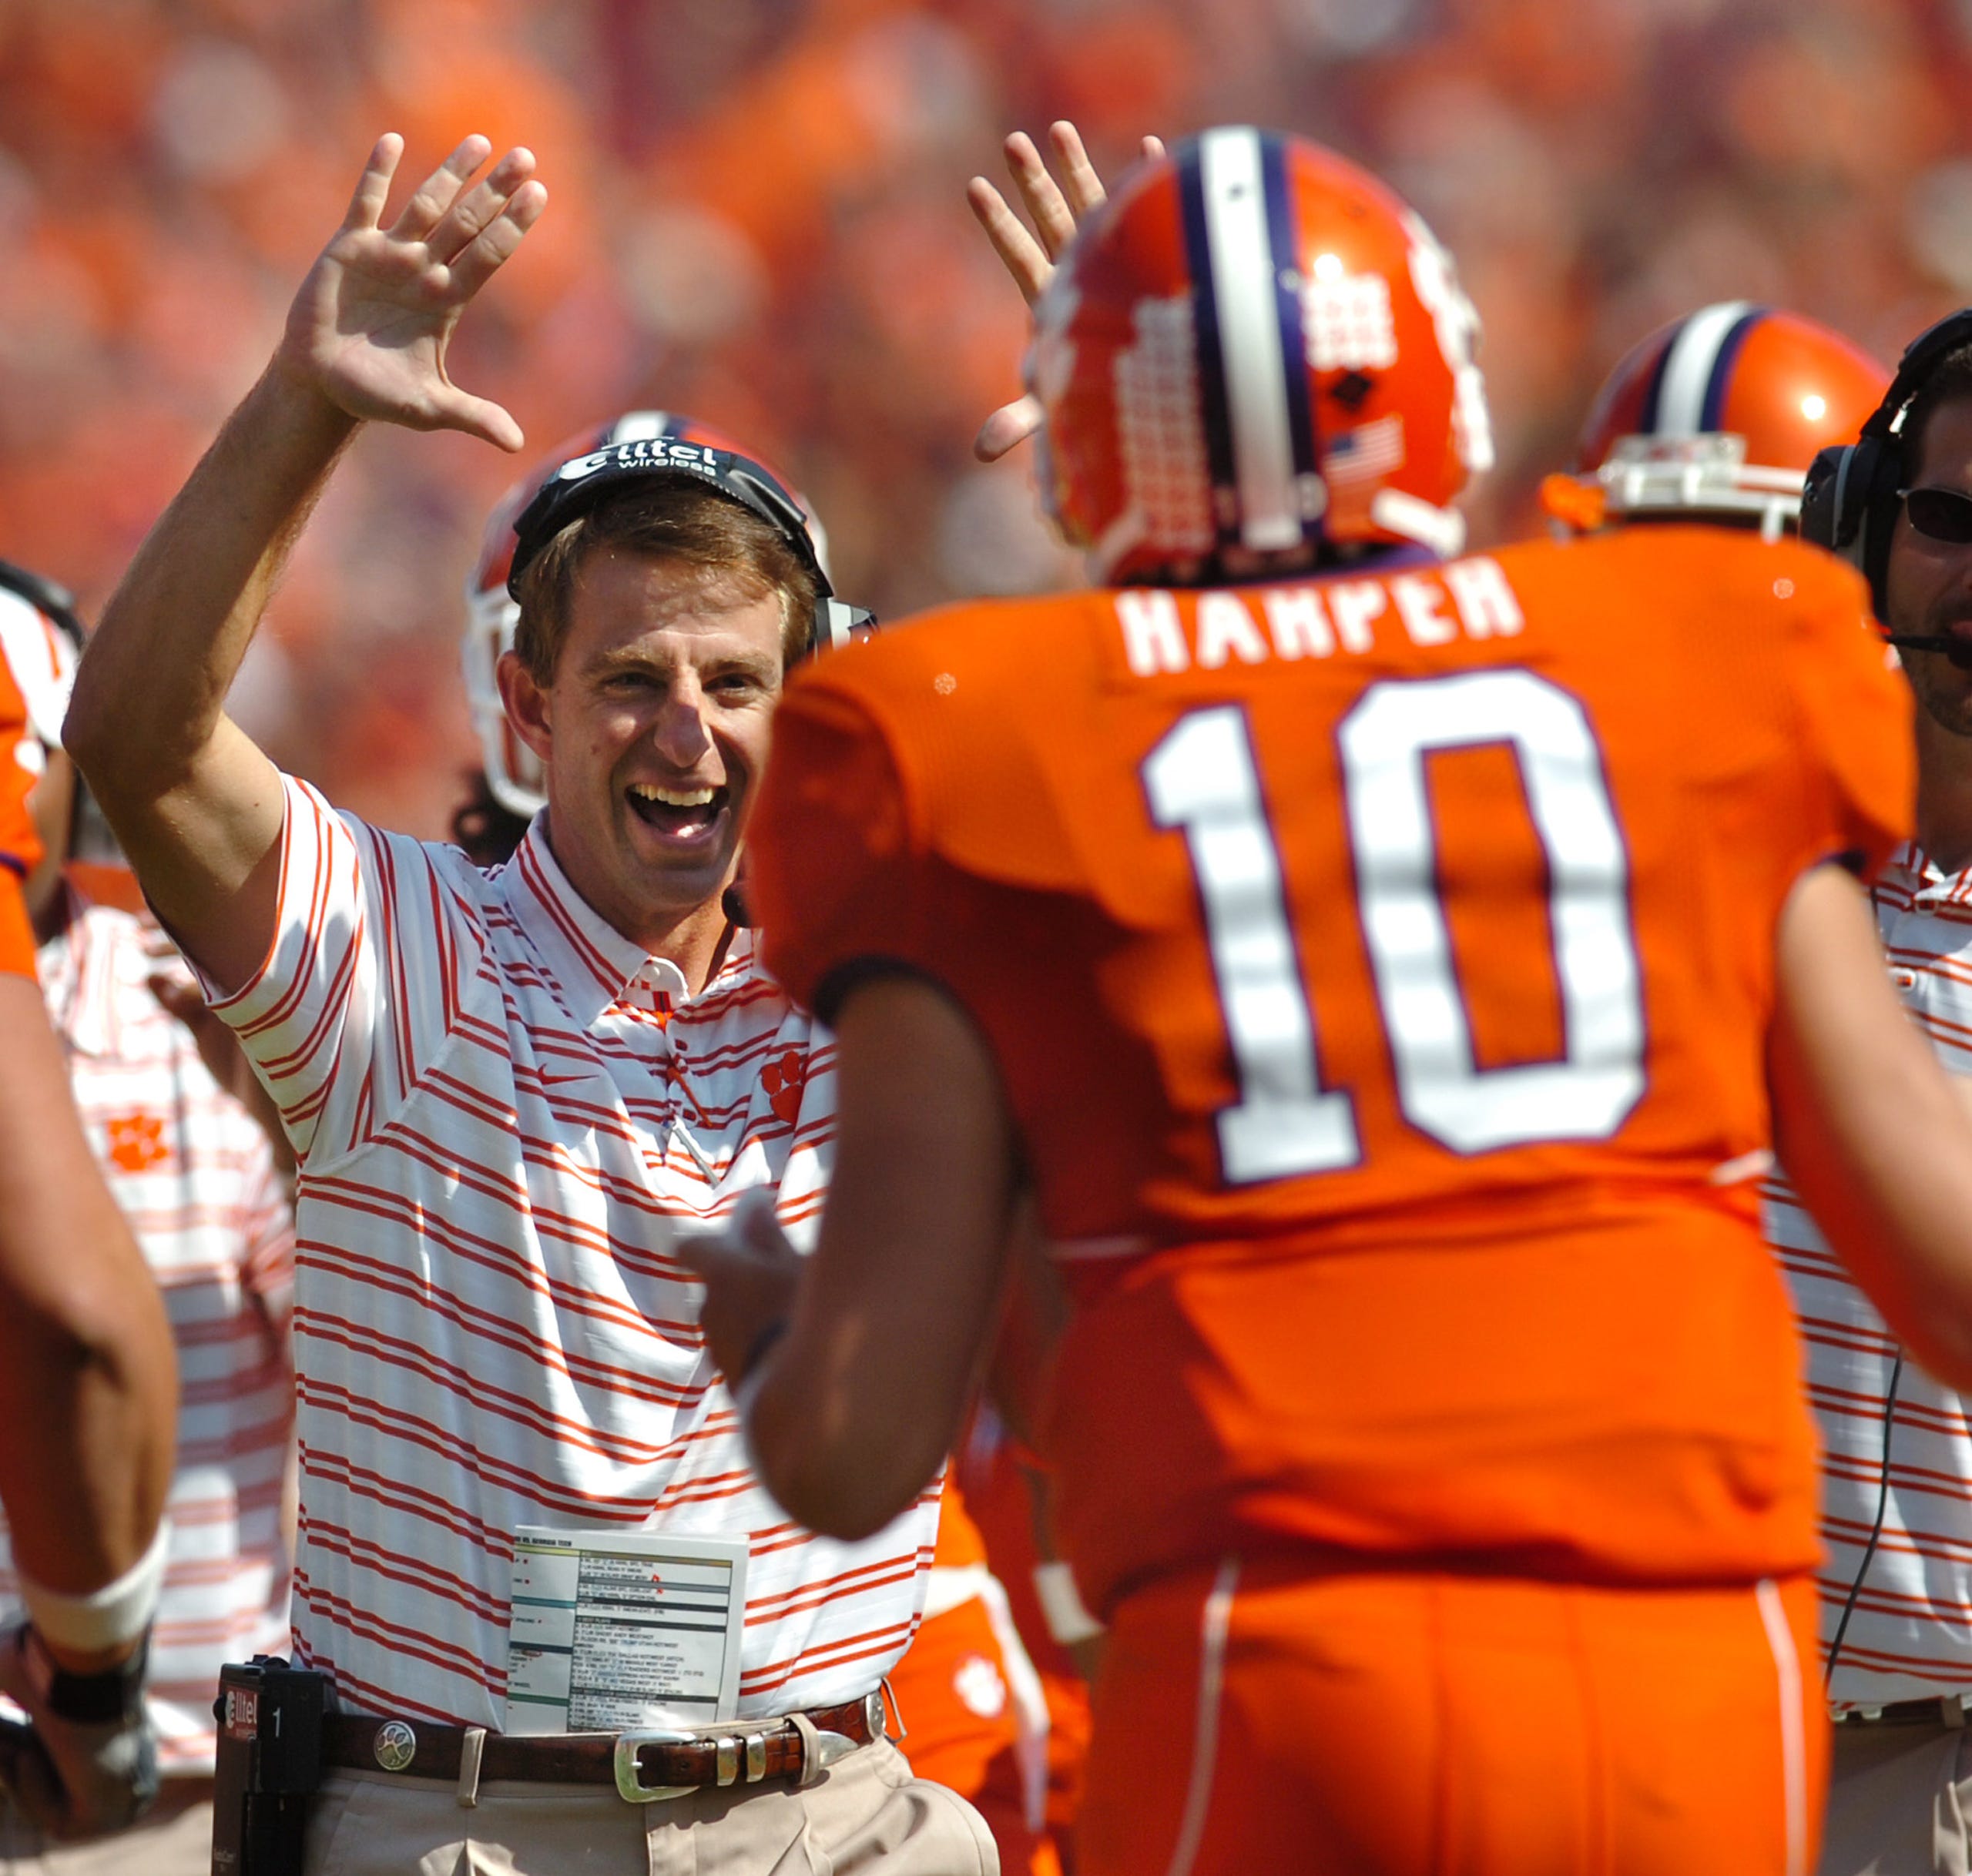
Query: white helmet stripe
[1688, 367]
[1243, 267]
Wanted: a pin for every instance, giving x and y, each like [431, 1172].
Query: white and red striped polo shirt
[501, 1107]
[1908, 1635]
[192, 1171]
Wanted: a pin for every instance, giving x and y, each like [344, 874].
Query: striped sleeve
[19, 850]
[360, 990]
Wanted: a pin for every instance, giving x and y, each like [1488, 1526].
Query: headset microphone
[1958, 650]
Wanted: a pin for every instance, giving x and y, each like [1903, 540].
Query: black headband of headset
[1921, 357]
[574, 489]
[45, 595]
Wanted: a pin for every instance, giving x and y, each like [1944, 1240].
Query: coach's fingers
[1019, 254]
[373, 187]
[451, 408]
[1007, 428]
[1151, 149]
[494, 245]
[476, 209]
[756, 1225]
[440, 189]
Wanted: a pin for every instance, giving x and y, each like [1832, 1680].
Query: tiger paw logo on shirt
[784, 1078]
[135, 1141]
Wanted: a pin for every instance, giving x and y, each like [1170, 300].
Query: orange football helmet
[513, 771]
[1719, 414]
[1254, 356]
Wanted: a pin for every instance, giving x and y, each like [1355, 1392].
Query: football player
[1388, 968]
[87, 1387]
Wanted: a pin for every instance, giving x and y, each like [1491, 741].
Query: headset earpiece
[1849, 503]
[837, 624]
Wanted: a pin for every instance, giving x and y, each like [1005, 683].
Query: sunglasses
[1939, 514]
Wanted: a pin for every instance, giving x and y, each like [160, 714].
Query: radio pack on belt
[270, 1759]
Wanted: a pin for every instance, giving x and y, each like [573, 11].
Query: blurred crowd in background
[756, 216]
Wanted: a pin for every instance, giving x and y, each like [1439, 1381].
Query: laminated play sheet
[613, 1631]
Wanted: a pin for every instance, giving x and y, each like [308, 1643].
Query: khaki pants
[865, 1813]
[1899, 1802]
[175, 1840]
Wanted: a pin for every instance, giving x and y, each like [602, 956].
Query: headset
[575, 488]
[1849, 502]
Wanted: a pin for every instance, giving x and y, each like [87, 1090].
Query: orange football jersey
[1380, 968]
[20, 849]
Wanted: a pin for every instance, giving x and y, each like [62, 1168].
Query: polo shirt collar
[593, 966]
[1911, 872]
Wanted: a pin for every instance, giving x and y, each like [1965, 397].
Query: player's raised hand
[1056, 209]
[369, 327]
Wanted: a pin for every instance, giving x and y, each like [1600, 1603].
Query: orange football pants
[1253, 1720]
[952, 1693]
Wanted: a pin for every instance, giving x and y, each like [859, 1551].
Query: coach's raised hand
[369, 327]
[198, 808]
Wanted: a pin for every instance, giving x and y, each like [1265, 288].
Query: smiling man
[506, 1091]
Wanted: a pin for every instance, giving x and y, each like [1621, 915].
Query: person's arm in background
[88, 1388]
[1871, 1130]
[196, 806]
[88, 1420]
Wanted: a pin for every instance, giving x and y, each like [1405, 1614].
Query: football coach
[561, 1621]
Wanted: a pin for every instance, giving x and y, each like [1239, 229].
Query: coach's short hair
[670, 517]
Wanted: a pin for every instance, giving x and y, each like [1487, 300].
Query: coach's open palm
[370, 327]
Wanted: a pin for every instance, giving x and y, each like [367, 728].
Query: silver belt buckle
[629, 1782]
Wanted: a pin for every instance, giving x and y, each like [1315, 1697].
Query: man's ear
[526, 703]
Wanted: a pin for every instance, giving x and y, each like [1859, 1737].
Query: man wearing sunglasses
[1896, 1473]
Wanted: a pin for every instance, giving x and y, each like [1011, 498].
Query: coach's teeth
[672, 797]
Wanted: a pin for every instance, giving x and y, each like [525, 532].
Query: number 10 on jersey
[1201, 780]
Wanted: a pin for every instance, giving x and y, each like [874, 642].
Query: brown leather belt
[656, 1762]
[1942, 1709]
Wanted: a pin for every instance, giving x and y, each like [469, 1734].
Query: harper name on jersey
[1313, 620]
